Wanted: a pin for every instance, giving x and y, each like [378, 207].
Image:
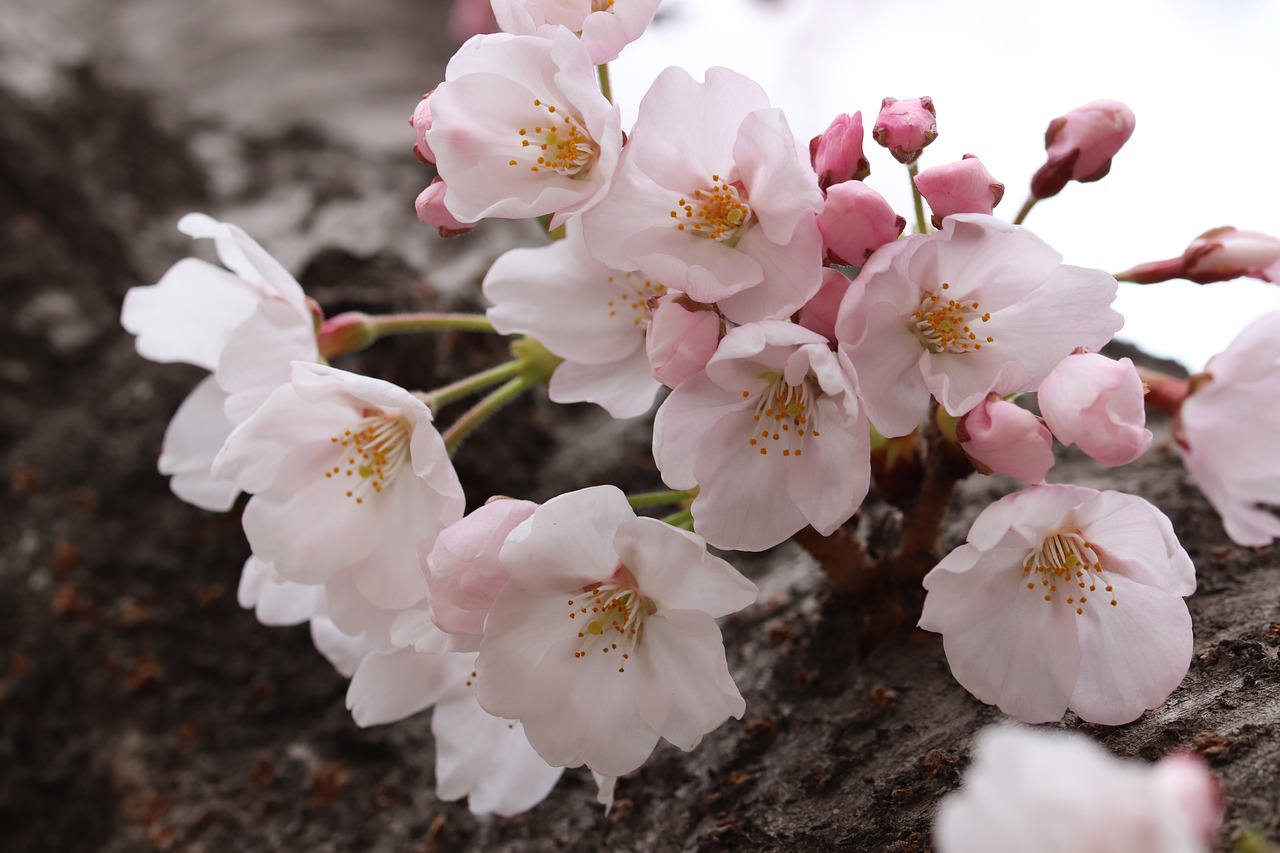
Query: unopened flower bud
[819, 313]
[1081, 144]
[1096, 403]
[1003, 438]
[346, 333]
[681, 338]
[855, 221]
[837, 153]
[905, 127]
[420, 121]
[1217, 255]
[431, 210]
[962, 187]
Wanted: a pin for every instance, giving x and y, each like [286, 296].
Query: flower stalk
[353, 331]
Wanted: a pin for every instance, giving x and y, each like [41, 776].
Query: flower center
[635, 297]
[948, 326]
[718, 213]
[371, 452]
[610, 617]
[1067, 565]
[561, 144]
[602, 5]
[785, 416]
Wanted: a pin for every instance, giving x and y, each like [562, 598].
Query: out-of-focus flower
[605, 639]
[1065, 598]
[1011, 799]
[905, 127]
[1220, 254]
[519, 128]
[855, 221]
[979, 306]
[961, 187]
[605, 26]
[772, 435]
[681, 338]
[1095, 403]
[1006, 439]
[836, 153]
[1229, 432]
[1081, 144]
[469, 18]
[714, 199]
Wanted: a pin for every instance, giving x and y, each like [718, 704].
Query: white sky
[1199, 74]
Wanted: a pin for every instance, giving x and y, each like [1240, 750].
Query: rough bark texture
[141, 708]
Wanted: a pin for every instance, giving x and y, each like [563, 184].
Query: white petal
[389, 686]
[192, 441]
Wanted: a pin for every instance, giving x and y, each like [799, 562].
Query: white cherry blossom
[605, 26]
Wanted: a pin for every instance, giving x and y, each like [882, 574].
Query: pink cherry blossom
[348, 474]
[1080, 145]
[1011, 799]
[714, 199]
[606, 26]
[1096, 404]
[855, 221]
[433, 211]
[1229, 433]
[961, 187]
[1219, 254]
[592, 316]
[772, 435]
[979, 306]
[837, 153]
[519, 128]
[605, 639]
[905, 127]
[1065, 598]
[1006, 439]
[681, 338]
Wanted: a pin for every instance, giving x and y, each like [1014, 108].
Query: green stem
[485, 409]
[441, 397]
[605, 89]
[682, 519]
[645, 499]
[354, 330]
[1026, 208]
[921, 226]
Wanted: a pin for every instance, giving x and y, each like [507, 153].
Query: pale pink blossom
[606, 26]
[433, 211]
[964, 186]
[348, 474]
[1065, 598]
[1229, 432]
[681, 338]
[592, 316]
[979, 306]
[519, 129]
[1059, 792]
[772, 435]
[1096, 403]
[837, 155]
[714, 199]
[820, 312]
[605, 639]
[420, 121]
[1219, 254]
[1005, 438]
[905, 127]
[855, 221]
[1080, 145]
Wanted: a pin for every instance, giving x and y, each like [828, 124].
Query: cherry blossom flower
[1095, 403]
[1011, 799]
[855, 221]
[1080, 145]
[961, 187]
[1065, 598]
[606, 26]
[246, 323]
[772, 435]
[605, 639]
[979, 306]
[1219, 254]
[348, 475]
[1229, 433]
[1005, 438]
[433, 211]
[519, 128]
[592, 316]
[714, 199]
[681, 338]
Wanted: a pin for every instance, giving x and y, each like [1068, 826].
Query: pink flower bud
[906, 127]
[681, 338]
[431, 210]
[420, 121]
[855, 221]
[837, 153]
[819, 313]
[1002, 438]
[1217, 255]
[1081, 144]
[1096, 404]
[346, 333]
[963, 187]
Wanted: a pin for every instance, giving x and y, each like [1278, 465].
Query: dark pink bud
[431, 210]
[837, 154]
[1081, 144]
[905, 127]
[421, 123]
[963, 187]
[855, 221]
